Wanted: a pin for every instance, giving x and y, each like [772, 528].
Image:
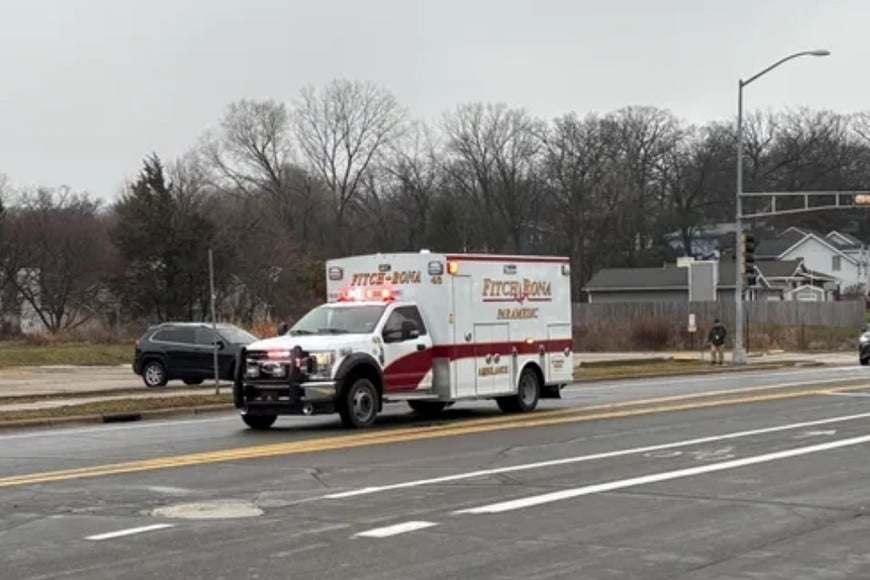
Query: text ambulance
[427, 329]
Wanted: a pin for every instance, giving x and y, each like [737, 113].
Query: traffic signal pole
[739, 354]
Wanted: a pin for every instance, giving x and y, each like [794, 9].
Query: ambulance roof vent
[425, 251]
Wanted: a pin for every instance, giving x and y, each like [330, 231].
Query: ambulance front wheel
[358, 407]
[527, 395]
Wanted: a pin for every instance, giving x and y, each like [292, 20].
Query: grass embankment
[117, 407]
[82, 354]
[614, 370]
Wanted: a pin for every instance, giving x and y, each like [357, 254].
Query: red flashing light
[370, 294]
[277, 354]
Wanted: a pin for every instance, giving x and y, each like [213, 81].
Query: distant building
[777, 280]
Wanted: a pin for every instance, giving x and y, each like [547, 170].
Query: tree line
[274, 189]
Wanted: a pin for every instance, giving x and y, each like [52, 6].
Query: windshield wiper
[333, 330]
[299, 332]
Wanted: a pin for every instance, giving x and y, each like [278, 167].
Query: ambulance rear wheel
[427, 408]
[527, 395]
[359, 406]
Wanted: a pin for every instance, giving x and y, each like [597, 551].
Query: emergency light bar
[382, 294]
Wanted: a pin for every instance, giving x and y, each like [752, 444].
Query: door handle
[421, 347]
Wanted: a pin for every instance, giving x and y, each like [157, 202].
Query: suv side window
[204, 337]
[402, 315]
[178, 334]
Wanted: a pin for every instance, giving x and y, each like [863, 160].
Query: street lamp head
[822, 52]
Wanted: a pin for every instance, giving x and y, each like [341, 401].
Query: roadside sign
[693, 327]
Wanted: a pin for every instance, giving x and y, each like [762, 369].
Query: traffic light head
[748, 250]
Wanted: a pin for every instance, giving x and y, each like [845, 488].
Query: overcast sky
[89, 87]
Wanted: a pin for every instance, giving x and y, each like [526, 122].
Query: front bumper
[287, 399]
[291, 396]
[864, 351]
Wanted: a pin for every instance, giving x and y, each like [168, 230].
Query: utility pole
[739, 356]
[214, 345]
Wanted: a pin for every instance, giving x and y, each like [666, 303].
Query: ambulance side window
[400, 321]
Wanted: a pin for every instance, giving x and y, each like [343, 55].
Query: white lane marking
[820, 433]
[128, 532]
[395, 530]
[658, 477]
[582, 458]
[859, 395]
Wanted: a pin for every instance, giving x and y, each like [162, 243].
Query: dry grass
[634, 369]
[117, 407]
[661, 335]
[16, 354]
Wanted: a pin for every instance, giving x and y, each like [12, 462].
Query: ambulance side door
[407, 351]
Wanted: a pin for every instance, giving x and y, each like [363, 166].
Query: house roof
[778, 268]
[844, 241]
[775, 247]
[669, 277]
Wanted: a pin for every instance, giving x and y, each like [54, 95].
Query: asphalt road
[750, 475]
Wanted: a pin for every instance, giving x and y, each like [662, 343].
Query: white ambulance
[427, 329]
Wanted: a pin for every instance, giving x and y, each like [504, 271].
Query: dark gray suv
[184, 350]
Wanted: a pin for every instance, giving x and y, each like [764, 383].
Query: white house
[838, 255]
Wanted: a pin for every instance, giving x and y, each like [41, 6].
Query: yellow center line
[399, 435]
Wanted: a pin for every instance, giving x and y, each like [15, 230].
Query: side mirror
[220, 345]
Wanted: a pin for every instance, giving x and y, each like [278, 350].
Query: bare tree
[412, 170]
[252, 153]
[496, 154]
[342, 129]
[57, 253]
[576, 165]
[646, 135]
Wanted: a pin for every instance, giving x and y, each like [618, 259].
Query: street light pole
[739, 356]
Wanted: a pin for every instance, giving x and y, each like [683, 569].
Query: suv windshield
[235, 335]
[329, 319]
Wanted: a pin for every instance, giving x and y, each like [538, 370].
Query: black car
[184, 350]
[864, 346]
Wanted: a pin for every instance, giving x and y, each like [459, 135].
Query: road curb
[127, 417]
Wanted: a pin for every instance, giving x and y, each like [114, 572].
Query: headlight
[865, 338]
[320, 366]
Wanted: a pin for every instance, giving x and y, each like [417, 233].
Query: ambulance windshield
[332, 319]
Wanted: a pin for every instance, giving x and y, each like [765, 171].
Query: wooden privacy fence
[849, 314]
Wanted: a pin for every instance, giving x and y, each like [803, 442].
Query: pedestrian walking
[717, 342]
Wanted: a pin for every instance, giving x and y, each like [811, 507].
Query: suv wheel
[154, 374]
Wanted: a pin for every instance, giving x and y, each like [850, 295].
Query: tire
[193, 381]
[864, 361]
[526, 399]
[259, 422]
[154, 374]
[359, 405]
[427, 408]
